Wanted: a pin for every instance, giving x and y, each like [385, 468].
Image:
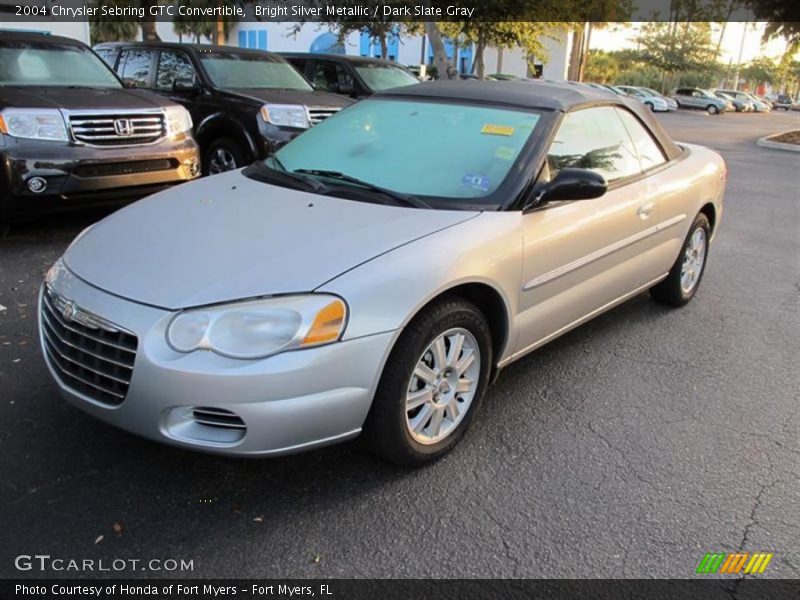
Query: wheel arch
[217, 126]
[710, 211]
[492, 305]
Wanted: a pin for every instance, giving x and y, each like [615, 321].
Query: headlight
[286, 115]
[35, 124]
[178, 120]
[260, 328]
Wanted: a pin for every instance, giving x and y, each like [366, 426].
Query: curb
[766, 142]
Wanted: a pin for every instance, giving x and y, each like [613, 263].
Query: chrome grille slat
[90, 355]
[71, 345]
[97, 339]
[53, 347]
[84, 381]
[317, 114]
[100, 129]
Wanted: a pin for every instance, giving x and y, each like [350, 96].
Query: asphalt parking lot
[628, 448]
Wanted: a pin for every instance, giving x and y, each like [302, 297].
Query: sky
[622, 36]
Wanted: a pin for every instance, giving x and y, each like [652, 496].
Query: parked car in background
[244, 103]
[352, 76]
[701, 99]
[783, 101]
[741, 97]
[670, 101]
[759, 104]
[654, 102]
[71, 135]
[505, 215]
[740, 102]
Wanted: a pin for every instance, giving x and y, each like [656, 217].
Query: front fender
[385, 293]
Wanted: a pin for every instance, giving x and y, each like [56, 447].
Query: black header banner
[375, 10]
[400, 589]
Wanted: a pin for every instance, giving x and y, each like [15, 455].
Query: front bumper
[78, 175]
[288, 403]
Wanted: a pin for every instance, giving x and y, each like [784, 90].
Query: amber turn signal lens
[3, 128]
[327, 325]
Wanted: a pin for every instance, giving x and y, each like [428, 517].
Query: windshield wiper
[266, 174]
[398, 197]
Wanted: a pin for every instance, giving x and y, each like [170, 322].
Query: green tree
[112, 29]
[677, 48]
[204, 28]
[760, 70]
[502, 36]
[601, 67]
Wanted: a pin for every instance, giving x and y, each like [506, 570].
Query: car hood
[308, 98]
[79, 98]
[228, 237]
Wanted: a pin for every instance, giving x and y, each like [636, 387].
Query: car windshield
[442, 151]
[651, 92]
[383, 77]
[52, 64]
[239, 70]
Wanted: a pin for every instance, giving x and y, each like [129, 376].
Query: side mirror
[346, 89]
[573, 184]
[185, 86]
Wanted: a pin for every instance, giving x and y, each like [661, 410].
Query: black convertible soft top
[548, 95]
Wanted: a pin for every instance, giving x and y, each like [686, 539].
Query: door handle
[645, 210]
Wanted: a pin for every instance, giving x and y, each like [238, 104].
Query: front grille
[117, 129]
[317, 114]
[126, 168]
[218, 417]
[91, 356]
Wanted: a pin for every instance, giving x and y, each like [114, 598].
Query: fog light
[37, 184]
[194, 168]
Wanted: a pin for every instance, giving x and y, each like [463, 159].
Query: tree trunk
[220, 32]
[585, 51]
[439, 53]
[149, 31]
[384, 45]
[478, 66]
[575, 54]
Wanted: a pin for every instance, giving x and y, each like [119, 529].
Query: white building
[407, 50]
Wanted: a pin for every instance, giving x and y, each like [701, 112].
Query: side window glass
[172, 66]
[329, 76]
[595, 139]
[136, 67]
[109, 55]
[650, 152]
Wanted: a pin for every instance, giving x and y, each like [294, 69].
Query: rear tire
[223, 154]
[686, 274]
[425, 403]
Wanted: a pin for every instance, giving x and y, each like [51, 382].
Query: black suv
[244, 103]
[352, 76]
[71, 135]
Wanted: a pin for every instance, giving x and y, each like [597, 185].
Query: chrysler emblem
[123, 127]
[68, 312]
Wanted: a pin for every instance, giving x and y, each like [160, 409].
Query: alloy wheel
[442, 386]
[221, 160]
[693, 260]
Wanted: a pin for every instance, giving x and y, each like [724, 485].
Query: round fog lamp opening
[37, 184]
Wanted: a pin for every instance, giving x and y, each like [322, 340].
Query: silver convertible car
[376, 273]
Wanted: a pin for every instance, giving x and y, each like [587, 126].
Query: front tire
[650, 106]
[684, 278]
[712, 110]
[223, 154]
[432, 384]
